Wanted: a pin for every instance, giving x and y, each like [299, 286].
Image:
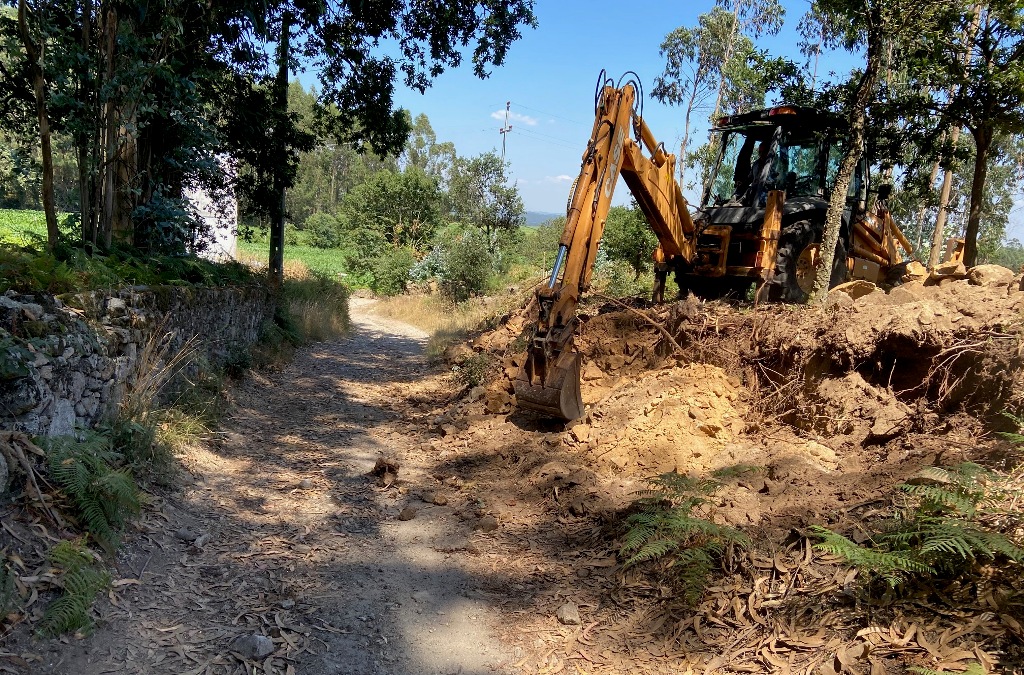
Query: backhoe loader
[747, 231]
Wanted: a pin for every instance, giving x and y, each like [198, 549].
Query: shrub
[322, 231]
[617, 279]
[466, 266]
[473, 371]
[391, 271]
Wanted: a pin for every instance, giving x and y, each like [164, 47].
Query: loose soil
[370, 514]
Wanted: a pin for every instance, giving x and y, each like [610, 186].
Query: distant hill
[535, 218]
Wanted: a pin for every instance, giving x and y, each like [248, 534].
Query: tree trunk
[919, 221]
[947, 178]
[82, 137]
[858, 121]
[276, 262]
[686, 136]
[728, 57]
[108, 135]
[939, 235]
[982, 143]
[35, 58]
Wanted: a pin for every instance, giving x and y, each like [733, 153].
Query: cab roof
[783, 115]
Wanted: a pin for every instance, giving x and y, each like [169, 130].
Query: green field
[22, 227]
[324, 261]
[27, 227]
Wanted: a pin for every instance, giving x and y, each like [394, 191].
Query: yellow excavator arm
[549, 379]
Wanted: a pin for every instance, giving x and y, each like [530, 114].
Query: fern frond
[103, 496]
[637, 535]
[888, 564]
[81, 580]
[937, 497]
[651, 550]
[1017, 438]
[674, 522]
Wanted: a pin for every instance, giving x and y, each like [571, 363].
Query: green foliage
[473, 371]
[629, 238]
[14, 357]
[461, 262]
[391, 271]
[480, 196]
[136, 441]
[1016, 437]
[392, 209]
[103, 496]
[322, 231]
[941, 532]
[82, 579]
[542, 242]
[618, 279]
[673, 525]
[31, 269]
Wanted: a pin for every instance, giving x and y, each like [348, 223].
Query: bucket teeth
[558, 395]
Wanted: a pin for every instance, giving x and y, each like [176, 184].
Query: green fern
[937, 534]
[82, 579]
[890, 565]
[672, 523]
[103, 496]
[1014, 437]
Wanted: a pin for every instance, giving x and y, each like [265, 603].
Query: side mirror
[884, 191]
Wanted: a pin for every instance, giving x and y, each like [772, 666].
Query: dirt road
[280, 533]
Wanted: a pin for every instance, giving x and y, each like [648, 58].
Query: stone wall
[65, 361]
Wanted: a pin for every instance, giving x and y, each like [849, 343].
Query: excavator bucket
[554, 390]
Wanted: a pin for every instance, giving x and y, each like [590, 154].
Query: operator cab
[788, 148]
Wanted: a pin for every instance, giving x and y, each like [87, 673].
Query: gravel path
[281, 533]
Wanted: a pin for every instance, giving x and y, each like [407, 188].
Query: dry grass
[318, 306]
[447, 323]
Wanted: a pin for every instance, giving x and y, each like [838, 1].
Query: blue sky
[550, 75]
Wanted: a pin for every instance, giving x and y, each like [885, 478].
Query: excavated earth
[367, 512]
[832, 408]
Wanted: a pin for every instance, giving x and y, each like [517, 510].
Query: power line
[549, 114]
[561, 141]
[545, 141]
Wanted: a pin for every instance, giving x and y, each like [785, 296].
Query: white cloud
[514, 117]
[558, 179]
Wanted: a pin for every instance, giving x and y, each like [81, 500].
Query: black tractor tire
[795, 241]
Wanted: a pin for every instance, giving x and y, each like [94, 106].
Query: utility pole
[504, 130]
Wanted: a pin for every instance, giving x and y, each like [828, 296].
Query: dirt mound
[957, 344]
[828, 409]
[800, 392]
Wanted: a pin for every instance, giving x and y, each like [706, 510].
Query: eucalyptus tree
[480, 196]
[871, 26]
[750, 19]
[985, 90]
[694, 58]
[153, 91]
